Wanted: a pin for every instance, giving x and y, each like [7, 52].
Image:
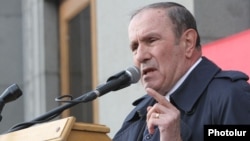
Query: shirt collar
[181, 80]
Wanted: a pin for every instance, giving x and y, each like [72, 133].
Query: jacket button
[148, 137]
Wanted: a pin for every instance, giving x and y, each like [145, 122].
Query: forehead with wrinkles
[149, 20]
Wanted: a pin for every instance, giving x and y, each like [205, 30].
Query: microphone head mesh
[134, 73]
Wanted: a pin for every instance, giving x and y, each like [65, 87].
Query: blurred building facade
[55, 47]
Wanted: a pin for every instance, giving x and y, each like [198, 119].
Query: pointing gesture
[164, 115]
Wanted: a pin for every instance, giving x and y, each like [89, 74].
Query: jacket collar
[194, 85]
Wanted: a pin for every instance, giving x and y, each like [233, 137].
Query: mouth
[147, 70]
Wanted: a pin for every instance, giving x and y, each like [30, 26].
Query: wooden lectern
[60, 130]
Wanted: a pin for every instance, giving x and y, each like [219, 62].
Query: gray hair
[181, 18]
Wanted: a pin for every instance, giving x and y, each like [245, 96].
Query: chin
[150, 86]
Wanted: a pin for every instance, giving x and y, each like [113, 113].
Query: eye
[151, 40]
[134, 47]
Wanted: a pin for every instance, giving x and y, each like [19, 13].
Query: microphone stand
[116, 82]
[56, 111]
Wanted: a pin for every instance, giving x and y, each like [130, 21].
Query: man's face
[155, 50]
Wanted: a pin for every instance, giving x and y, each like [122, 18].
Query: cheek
[163, 58]
[136, 63]
[168, 57]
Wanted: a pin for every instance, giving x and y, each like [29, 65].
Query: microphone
[116, 82]
[120, 80]
[10, 94]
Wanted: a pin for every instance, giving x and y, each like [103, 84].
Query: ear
[189, 40]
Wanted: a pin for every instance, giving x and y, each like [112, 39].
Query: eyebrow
[149, 35]
[145, 37]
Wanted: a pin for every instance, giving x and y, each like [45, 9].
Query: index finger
[158, 97]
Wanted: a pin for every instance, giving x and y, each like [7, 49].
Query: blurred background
[57, 47]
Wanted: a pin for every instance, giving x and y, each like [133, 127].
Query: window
[78, 55]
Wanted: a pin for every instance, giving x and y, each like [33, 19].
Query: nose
[143, 54]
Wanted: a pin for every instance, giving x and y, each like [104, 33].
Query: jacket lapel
[194, 85]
